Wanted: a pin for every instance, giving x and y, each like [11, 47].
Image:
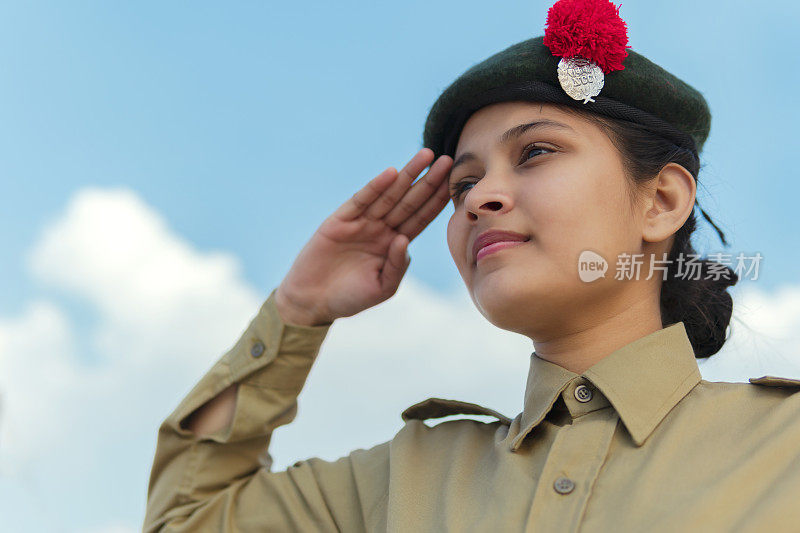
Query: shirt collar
[642, 380]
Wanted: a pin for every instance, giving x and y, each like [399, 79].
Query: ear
[669, 203]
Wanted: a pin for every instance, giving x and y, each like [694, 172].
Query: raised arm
[211, 470]
[217, 413]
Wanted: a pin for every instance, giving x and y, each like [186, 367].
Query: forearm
[218, 412]
[217, 436]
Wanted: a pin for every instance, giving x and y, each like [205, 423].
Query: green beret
[641, 92]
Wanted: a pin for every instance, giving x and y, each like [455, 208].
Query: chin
[521, 302]
[503, 304]
[508, 282]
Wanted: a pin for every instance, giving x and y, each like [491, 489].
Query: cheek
[584, 210]
[559, 209]
[603, 220]
[455, 240]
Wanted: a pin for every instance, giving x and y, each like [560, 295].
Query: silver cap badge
[580, 78]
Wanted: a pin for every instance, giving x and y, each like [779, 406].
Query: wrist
[294, 314]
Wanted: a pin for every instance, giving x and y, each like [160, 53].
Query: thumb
[397, 261]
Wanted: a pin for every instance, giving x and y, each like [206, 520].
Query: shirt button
[583, 393]
[564, 485]
[257, 349]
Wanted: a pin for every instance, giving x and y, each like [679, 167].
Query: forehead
[488, 123]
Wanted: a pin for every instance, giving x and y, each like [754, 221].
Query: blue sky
[223, 134]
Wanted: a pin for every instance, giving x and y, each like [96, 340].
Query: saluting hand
[357, 256]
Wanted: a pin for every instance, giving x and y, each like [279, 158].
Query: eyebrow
[513, 133]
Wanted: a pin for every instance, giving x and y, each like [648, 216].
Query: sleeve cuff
[252, 362]
[268, 335]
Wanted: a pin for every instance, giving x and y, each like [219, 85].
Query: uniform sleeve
[222, 481]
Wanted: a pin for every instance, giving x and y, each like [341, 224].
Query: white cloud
[145, 283]
[37, 365]
[765, 336]
[75, 423]
[164, 314]
[115, 528]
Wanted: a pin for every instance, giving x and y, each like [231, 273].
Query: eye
[458, 188]
[532, 148]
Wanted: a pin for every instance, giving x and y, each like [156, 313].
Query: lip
[495, 247]
[493, 236]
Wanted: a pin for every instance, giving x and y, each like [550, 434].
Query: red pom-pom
[588, 28]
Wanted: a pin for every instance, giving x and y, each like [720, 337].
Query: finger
[429, 211]
[363, 198]
[395, 266]
[419, 193]
[407, 175]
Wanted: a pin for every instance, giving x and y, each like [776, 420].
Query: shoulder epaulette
[439, 407]
[775, 381]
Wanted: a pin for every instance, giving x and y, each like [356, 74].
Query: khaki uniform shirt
[638, 442]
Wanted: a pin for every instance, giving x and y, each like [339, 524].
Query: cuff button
[257, 349]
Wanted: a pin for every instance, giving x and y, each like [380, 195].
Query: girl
[555, 159]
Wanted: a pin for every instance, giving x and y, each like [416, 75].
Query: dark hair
[700, 301]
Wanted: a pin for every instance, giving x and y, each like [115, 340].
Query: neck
[580, 349]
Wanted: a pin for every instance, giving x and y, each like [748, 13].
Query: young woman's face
[562, 185]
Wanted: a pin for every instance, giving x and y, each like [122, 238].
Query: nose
[487, 197]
